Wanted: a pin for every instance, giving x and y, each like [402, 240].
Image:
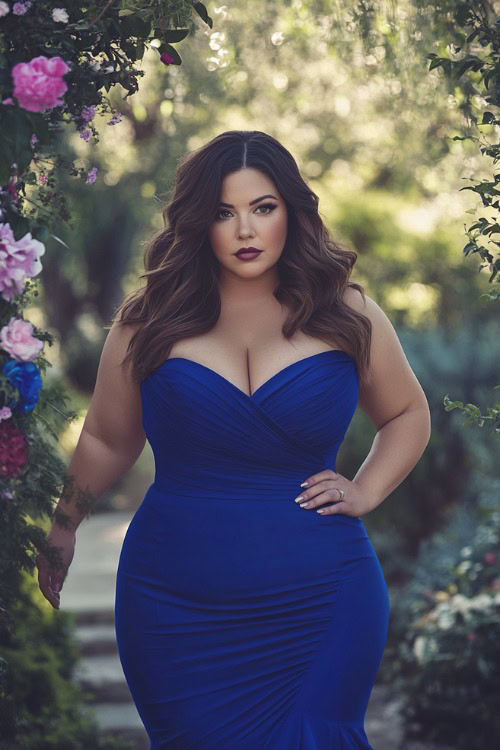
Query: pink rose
[38, 84]
[17, 339]
[5, 413]
[18, 259]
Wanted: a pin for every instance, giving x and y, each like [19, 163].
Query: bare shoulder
[115, 410]
[394, 387]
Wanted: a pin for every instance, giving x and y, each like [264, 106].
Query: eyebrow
[230, 205]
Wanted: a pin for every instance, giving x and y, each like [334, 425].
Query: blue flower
[25, 376]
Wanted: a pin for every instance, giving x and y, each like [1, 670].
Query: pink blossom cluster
[18, 260]
[19, 9]
[38, 84]
[17, 339]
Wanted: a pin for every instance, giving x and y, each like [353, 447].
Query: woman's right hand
[51, 579]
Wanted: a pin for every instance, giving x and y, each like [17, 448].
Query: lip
[248, 250]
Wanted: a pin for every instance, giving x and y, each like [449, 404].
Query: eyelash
[271, 206]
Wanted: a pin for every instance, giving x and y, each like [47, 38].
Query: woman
[251, 610]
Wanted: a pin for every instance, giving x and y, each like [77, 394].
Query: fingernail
[299, 498]
[304, 484]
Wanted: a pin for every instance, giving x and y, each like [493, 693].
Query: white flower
[423, 647]
[109, 69]
[95, 65]
[4, 9]
[59, 15]
[419, 648]
[460, 603]
[445, 617]
[481, 601]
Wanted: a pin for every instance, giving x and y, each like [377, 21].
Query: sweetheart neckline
[251, 396]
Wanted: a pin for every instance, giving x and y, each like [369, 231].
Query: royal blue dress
[243, 621]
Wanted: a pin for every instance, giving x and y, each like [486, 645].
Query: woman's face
[262, 225]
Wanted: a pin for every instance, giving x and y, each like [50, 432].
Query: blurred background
[346, 87]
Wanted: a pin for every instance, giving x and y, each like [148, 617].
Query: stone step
[138, 738]
[102, 675]
[96, 639]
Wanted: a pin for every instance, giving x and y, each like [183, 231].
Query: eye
[270, 206]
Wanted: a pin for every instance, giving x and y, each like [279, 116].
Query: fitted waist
[256, 485]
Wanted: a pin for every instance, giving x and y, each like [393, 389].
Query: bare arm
[94, 467]
[397, 406]
[112, 436]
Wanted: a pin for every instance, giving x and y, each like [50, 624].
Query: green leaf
[17, 130]
[171, 51]
[60, 240]
[488, 117]
[175, 35]
[202, 12]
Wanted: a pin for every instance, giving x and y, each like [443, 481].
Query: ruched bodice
[243, 621]
[243, 443]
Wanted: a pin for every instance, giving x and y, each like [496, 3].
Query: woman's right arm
[111, 440]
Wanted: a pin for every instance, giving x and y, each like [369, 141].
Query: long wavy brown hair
[181, 296]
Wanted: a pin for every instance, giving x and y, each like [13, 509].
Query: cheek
[277, 229]
[216, 236]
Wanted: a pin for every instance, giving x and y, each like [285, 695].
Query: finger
[340, 507]
[320, 476]
[317, 496]
[45, 584]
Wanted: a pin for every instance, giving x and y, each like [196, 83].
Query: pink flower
[34, 140]
[19, 9]
[43, 179]
[11, 187]
[490, 558]
[17, 339]
[85, 134]
[4, 9]
[38, 84]
[166, 59]
[18, 259]
[5, 413]
[91, 176]
[9, 100]
[471, 636]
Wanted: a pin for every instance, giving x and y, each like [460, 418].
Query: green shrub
[41, 708]
[443, 652]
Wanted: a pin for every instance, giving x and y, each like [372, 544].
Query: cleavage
[247, 347]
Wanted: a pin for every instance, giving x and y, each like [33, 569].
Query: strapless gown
[243, 621]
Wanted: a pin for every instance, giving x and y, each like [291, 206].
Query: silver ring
[341, 494]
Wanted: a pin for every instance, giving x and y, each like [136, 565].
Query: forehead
[247, 183]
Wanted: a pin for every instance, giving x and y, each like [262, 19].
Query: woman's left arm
[396, 403]
[397, 406]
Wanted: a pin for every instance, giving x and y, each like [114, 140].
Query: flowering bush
[39, 84]
[54, 64]
[445, 642]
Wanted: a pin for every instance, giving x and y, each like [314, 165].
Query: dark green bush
[443, 652]
[40, 707]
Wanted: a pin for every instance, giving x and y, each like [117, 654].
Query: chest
[247, 346]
